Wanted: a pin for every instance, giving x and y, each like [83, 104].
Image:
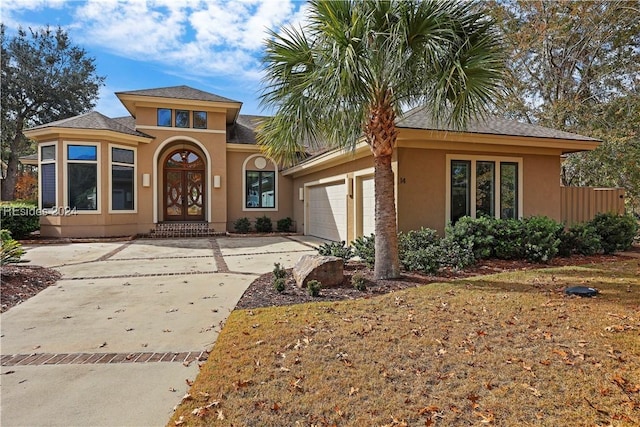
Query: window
[182, 119]
[260, 188]
[48, 176]
[82, 177]
[164, 117]
[200, 119]
[508, 190]
[460, 194]
[483, 187]
[122, 179]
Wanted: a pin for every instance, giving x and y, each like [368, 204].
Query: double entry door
[184, 187]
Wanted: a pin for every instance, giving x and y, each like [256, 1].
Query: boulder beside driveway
[328, 270]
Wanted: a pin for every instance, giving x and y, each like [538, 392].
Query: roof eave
[47, 133]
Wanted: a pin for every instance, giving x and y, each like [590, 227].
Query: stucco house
[188, 158]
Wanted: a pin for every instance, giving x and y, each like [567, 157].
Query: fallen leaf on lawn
[220, 415]
[189, 382]
[428, 410]
[200, 412]
[241, 383]
[275, 407]
[179, 421]
[259, 342]
[186, 397]
[354, 390]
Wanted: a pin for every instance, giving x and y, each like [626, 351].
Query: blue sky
[212, 45]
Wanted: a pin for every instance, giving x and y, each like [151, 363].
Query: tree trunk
[9, 182]
[387, 264]
[381, 133]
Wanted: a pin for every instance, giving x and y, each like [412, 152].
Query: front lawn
[508, 349]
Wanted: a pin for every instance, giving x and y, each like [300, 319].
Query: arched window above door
[184, 159]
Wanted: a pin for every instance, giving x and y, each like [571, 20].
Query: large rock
[328, 270]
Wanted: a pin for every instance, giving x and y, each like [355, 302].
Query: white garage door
[327, 212]
[368, 207]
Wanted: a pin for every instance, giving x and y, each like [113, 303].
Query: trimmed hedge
[19, 218]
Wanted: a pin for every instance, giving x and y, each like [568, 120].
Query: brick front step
[183, 229]
[39, 359]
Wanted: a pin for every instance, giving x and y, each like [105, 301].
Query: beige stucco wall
[422, 185]
[235, 189]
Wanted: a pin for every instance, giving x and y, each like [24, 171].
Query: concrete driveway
[114, 342]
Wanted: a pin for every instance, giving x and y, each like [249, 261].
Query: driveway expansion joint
[41, 359]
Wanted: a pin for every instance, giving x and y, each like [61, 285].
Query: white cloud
[198, 37]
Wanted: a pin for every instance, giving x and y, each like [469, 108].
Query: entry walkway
[116, 340]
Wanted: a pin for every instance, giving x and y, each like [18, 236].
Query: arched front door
[184, 186]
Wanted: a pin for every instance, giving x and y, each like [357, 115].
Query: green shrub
[475, 233]
[340, 250]
[284, 225]
[278, 271]
[359, 282]
[541, 238]
[11, 250]
[19, 218]
[452, 254]
[365, 248]
[264, 225]
[279, 284]
[426, 260]
[616, 231]
[508, 239]
[416, 239]
[313, 287]
[580, 238]
[242, 225]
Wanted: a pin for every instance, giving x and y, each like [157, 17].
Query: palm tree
[350, 72]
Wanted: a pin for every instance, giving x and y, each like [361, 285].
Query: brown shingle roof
[179, 92]
[419, 118]
[243, 131]
[95, 121]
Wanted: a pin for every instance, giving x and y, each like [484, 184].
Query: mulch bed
[18, 283]
[261, 292]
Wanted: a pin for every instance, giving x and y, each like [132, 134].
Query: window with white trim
[48, 191]
[483, 187]
[82, 177]
[122, 179]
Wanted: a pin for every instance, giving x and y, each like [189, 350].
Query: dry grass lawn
[508, 349]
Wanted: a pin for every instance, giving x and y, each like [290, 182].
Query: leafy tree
[357, 65]
[575, 66]
[45, 77]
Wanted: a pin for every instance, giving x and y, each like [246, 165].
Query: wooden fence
[581, 204]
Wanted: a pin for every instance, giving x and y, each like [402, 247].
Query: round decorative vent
[260, 162]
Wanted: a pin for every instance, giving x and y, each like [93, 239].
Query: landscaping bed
[261, 292]
[19, 283]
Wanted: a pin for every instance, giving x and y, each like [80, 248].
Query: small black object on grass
[582, 291]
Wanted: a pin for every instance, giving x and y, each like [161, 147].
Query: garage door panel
[368, 207]
[327, 216]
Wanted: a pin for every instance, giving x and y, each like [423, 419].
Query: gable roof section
[92, 121]
[419, 118]
[179, 92]
[179, 97]
[243, 131]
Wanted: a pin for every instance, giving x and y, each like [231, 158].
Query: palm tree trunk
[387, 264]
[381, 133]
